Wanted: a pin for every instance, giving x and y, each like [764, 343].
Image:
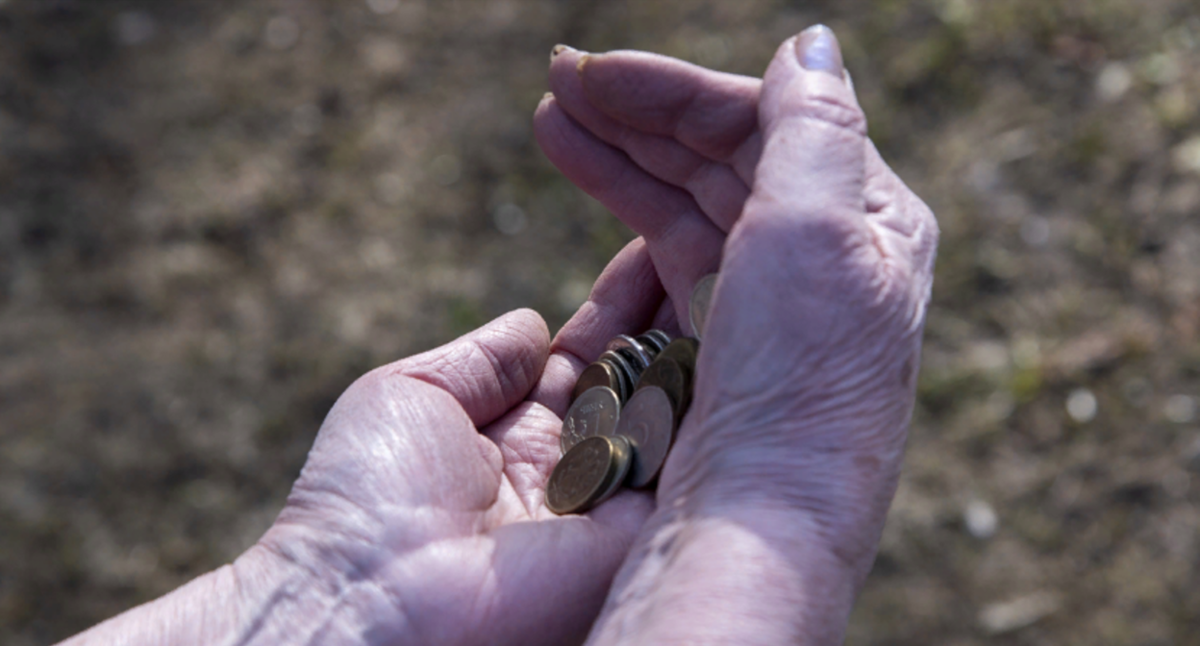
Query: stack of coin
[626, 408]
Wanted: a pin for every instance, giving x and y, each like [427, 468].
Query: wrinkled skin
[419, 517]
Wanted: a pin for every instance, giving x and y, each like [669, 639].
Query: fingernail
[548, 95]
[818, 50]
[583, 61]
[558, 49]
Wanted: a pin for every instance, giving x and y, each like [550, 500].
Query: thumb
[814, 129]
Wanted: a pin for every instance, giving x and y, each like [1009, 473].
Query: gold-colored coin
[666, 373]
[622, 463]
[595, 412]
[588, 474]
[699, 303]
[649, 421]
[683, 351]
[599, 373]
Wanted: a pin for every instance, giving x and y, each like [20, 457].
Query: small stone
[1113, 81]
[1180, 409]
[1186, 156]
[1004, 617]
[1082, 405]
[980, 519]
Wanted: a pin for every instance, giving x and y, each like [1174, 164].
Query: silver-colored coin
[634, 361]
[595, 412]
[651, 343]
[625, 370]
[625, 342]
[663, 338]
[698, 305]
[648, 420]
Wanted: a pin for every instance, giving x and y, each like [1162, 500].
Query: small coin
[699, 303]
[622, 464]
[683, 351]
[648, 420]
[639, 352]
[634, 361]
[664, 339]
[667, 374]
[595, 413]
[626, 372]
[597, 374]
[652, 343]
[588, 474]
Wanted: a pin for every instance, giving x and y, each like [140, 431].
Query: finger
[710, 112]
[623, 300]
[716, 187]
[804, 250]
[489, 370]
[683, 243]
[815, 132]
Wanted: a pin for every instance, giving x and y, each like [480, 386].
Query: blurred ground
[215, 214]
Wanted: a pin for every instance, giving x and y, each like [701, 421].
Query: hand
[419, 515]
[771, 504]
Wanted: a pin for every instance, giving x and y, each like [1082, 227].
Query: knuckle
[839, 112]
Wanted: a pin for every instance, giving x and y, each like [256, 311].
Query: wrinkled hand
[419, 516]
[771, 504]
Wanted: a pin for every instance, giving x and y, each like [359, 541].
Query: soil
[214, 215]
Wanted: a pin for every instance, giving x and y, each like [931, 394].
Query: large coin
[699, 303]
[597, 374]
[594, 413]
[648, 420]
[588, 474]
[667, 374]
[633, 349]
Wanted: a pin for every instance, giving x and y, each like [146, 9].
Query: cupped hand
[419, 515]
[790, 455]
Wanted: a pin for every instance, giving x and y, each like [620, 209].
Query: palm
[429, 471]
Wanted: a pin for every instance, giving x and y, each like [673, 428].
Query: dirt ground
[214, 215]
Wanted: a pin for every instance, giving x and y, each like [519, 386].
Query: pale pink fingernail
[817, 49]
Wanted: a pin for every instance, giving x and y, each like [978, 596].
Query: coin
[699, 303]
[652, 342]
[648, 420]
[663, 338]
[599, 373]
[626, 372]
[667, 374]
[595, 413]
[588, 474]
[683, 351]
[637, 350]
[622, 464]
